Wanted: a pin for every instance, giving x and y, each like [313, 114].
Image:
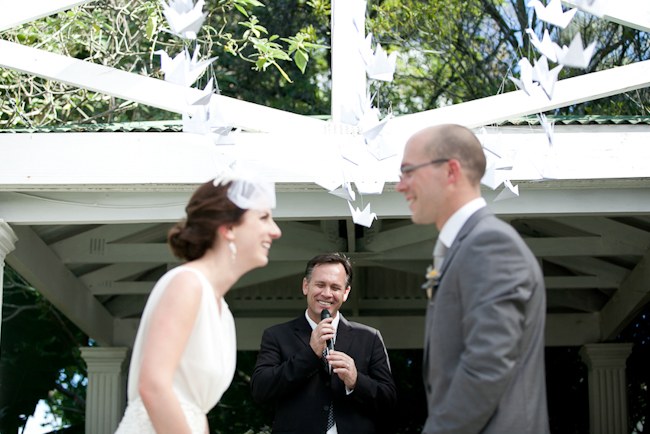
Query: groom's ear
[454, 171]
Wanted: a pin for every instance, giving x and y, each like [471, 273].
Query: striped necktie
[439, 252]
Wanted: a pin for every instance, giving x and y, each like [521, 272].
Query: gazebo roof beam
[45, 271]
[630, 13]
[511, 105]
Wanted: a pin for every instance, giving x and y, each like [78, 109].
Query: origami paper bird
[547, 126]
[363, 218]
[184, 17]
[370, 127]
[494, 177]
[182, 69]
[206, 94]
[379, 65]
[544, 77]
[509, 191]
[381, 148]
[575, 55]
[209, 119]
[546, 46]
[525, 80]
[345, 191]
[553, 13]
[369, 124]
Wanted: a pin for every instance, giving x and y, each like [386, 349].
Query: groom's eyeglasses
[407, 171]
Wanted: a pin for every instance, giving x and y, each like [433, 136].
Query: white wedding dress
[206, 367]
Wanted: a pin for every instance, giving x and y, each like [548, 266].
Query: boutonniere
[433, 276]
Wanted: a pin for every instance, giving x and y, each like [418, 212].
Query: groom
[484, 336]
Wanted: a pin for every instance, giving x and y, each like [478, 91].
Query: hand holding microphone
[342, 364]
[330, 345]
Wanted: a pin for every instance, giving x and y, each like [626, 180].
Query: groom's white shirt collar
[450, 229]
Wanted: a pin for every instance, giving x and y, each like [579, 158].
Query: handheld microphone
[326, 314]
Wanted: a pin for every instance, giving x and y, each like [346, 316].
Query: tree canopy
[453, 52]
[276, 54]
[126, 35]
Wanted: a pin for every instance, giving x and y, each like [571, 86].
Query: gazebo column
[106, 392]
[7, 244]
[607, 387]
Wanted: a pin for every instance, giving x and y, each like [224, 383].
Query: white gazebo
[83, 216]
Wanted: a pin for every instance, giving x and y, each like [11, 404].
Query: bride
[184, 353]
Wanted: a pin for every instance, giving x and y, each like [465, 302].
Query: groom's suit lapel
[451, 252]
[462, 234]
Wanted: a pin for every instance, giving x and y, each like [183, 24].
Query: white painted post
[348, 67]
[106, 392]
[607, 387]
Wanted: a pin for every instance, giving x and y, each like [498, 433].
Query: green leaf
[151, 27]
[284, 74]
[241, 9]
[260, 64]
[301, 58]
[253, 3]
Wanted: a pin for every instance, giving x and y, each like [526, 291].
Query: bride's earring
[233, 251]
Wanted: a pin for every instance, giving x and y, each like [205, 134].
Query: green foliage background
[451, 52]
[276, 55]
[125, 34]
[40, 358]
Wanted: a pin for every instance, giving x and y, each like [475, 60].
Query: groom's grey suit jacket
[484, 338]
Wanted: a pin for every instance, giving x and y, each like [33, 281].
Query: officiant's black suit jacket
[292, 377]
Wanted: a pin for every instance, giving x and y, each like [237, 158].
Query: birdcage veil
[248, 190]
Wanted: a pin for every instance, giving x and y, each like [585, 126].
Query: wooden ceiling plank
[113, 272]
[580, 246]
[580, 301]
[578, 282]
[304, 235]
[591, 266]
[277, 271]
[297, 242]
[400, 237]
[98, 252]
[629, 299]
[416, 267]
[41, 267]
[123, 288]
[96, 242]
[607, 227]
[572, 329]
[108, 233]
